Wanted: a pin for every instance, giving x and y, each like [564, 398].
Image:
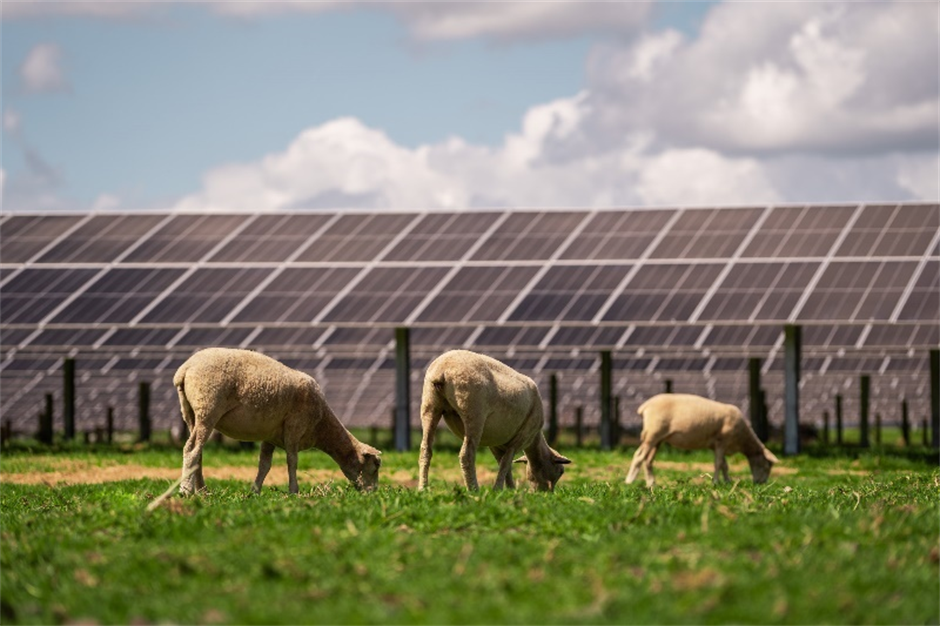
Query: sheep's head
[370, 460]
[544, 472]
[761, 465]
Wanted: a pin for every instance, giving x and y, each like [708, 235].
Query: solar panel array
[681, 294]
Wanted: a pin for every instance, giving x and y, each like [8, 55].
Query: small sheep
[693, 423]
[487, 403]
[251, 397]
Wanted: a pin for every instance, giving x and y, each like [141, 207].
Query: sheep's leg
[648, 466]
[721, 465]
[505, 456]
[430, 418]
[264, 464]
[638, 459]
[473, 432]
[192, 479]
[292, 469]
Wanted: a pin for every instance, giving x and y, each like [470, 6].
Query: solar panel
[687, 294]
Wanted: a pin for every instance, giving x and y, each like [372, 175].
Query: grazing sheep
[490, 404]
[251, 397]
[693, 423]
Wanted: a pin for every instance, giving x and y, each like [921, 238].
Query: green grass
[850, 538]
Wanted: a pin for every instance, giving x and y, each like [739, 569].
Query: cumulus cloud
[426, 21]
[921, 176]
[41, 71]
[344, 163]
[835, 78]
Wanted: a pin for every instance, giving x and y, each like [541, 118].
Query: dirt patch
[69, 472]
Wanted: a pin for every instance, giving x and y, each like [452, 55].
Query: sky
[410, 105]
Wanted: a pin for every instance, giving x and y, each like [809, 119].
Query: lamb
[487, 403]
[693, 423]
[252, 397]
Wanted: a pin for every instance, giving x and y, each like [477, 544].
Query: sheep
[692, 423]
[252, 397]
[486, 402]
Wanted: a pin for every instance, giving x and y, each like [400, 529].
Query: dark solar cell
[215, 336]
[587, 336]
[890, 335]
[444, 338]
[25, 236]
[864, 290]
[102, 239]
[509, 336]
[477, 293]
[33, 294]
[10, 337]
[360, 336]
[302, 337]
[927, 335]
[186, 238]
[271, 238]
[799, 231]
[657, 336]
[765, 291]
[119, 296]
[825, 336]
[68, 337]
[742, 336]
[50, 226]
[141, 337]
[875, 216]
[387, 294]
[296, 295]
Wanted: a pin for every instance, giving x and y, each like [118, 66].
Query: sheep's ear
[770, 456]
[521, 459]
[560, 460]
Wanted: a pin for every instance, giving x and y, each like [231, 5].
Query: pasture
[841, 537]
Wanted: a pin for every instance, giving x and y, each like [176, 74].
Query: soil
[78, 472]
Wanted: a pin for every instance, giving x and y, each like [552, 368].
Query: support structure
[579, 426]
[552, 435]
[143, 404]
[606, 402]
[825, 433]
[838, 419]
[109, 424]
[45, 434]
[864, 393]
[791, 377]
[402, 390]
[668, 386]
[754, 393]
[905, 424]
[935, 398]
[68, 397]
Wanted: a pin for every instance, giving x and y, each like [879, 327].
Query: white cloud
[426, 21]
[106, 202]
[702, 177]
[921, 176]
[41, 71]
[765, 78]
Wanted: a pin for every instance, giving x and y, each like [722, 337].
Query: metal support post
[402, 390]
[935, 398]
[552, 409]
[838, 419]
[143, 412]
[68, 397]
[864, 393]
[791, 375]
[606, 402]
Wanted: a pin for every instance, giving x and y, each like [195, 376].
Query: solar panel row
[681, 293]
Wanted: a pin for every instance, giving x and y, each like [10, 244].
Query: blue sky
[286, 105]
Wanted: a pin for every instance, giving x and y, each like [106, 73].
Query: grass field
[842, 538]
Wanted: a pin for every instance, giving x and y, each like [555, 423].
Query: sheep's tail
[189, 416]
[643, 407]
[438, 382]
